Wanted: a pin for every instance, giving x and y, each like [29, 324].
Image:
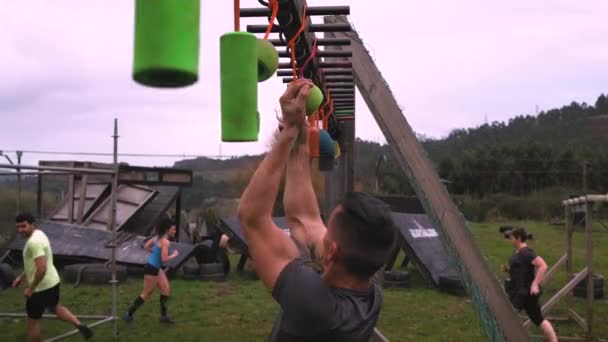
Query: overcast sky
[65, 71]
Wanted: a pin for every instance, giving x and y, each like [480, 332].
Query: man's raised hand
[293, 102]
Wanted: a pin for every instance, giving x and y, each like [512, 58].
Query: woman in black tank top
[527, 271]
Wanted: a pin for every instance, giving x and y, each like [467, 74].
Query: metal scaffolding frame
[72, 171]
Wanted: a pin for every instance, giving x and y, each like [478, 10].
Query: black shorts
[150, 270]
[40, 301]
[531, 305]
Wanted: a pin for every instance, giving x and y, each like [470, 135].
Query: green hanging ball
[314, 100]
[268, 60]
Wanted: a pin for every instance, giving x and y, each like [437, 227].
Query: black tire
[598, 282]
[598, 293]
[191, 270]
[93, 274]
[452, 285]
[7, 276]
[212, 268]
[396, 276]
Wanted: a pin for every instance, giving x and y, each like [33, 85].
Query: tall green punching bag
[239, 87]
[166, 42]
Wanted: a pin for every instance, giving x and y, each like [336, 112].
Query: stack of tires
[207, 272]
[7, 276]
[396, 279]
[93, 274]
[580, 290]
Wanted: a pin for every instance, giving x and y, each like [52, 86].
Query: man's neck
[32, 233]
[341, 280]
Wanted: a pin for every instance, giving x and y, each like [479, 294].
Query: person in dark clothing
[343, 302]
[527, 271]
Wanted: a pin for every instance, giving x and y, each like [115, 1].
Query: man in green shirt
[42, 280]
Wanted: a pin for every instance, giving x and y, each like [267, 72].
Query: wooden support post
[71, 198]
[589, 263]
[82, 198]
[569, 270]
[439, 205]
[39, 196]
[178, 213]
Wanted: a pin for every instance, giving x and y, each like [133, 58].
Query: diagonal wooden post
[438, 203]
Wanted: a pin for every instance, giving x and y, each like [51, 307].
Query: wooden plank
[82, 198]
[554, 269]
[589, 263]
[578, 319]
[569, 269]
[70, 197]
[419, 169]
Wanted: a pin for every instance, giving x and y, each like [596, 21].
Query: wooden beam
[82, 198]
[70, 195]
[561, 262]
[589, 263]
[414, 161]
[578, 319]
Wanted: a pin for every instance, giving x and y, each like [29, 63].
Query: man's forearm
[37, 278]
[258, 198]
[300, 200]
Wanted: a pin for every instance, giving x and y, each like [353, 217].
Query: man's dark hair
[25, 217]
[365, 234]
[163, 226]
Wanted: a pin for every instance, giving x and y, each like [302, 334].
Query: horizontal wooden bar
[336, 85]
[342, 91]
[332, 54]
[337, 72]
[320, 42]
[332, 78]
[311, 28]
[325, 65]
[312, 10]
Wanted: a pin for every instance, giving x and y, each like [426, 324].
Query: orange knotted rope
[274, 6]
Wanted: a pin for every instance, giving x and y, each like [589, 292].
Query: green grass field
[242, 310]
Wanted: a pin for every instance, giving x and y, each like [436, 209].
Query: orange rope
[292, 43]
[274, 5]
[237, 15]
